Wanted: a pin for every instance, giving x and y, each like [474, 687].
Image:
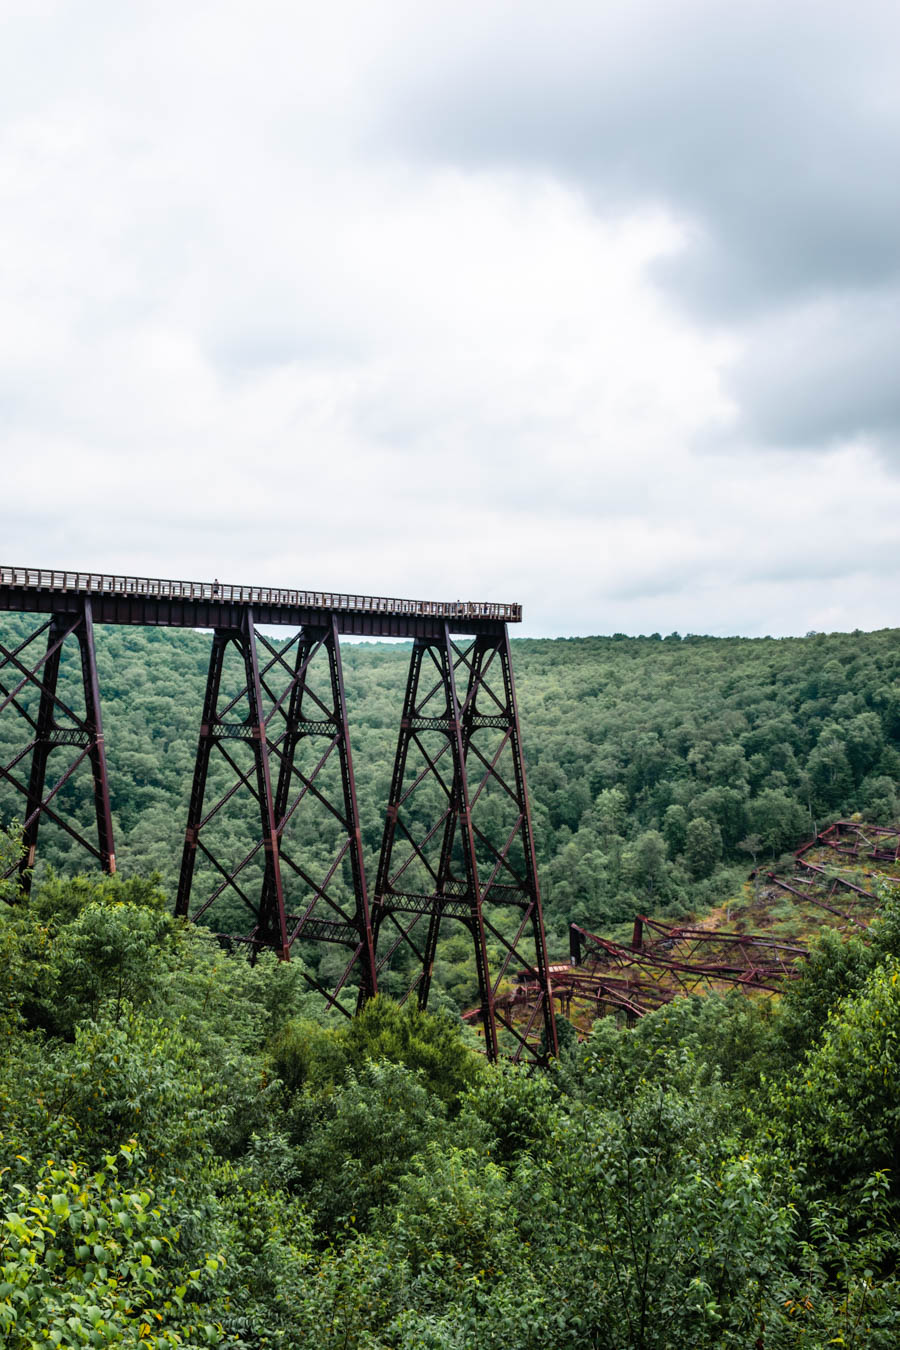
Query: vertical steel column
[444, 864]
[271, 930]
[221, 638]
[322, 917]
[383, 904]
[43, 744]
[509, 871]
[368, 987]
[286, 749]
[383, 878]
[459, 820]
[96, 750]
[536, 913]
[461, 808]
[273, 923]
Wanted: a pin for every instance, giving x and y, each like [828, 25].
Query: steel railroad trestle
[457, 852]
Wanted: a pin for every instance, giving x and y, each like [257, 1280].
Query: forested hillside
[650, 760]
[190, 1156]
[192, 1153]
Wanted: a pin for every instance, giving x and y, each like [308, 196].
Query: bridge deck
[155, 601]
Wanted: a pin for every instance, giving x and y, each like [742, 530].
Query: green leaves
[430, 1043]
[86, 1260]
[86, 947]
[370, 1130]
[844, 1106]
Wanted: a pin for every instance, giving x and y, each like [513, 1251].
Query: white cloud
[244, 334]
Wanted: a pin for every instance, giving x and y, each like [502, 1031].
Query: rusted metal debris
[665, 961]
[865, 851]
[857, 840]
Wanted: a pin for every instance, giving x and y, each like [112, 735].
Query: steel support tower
[29, 681]
[282, 710]
[458, 846]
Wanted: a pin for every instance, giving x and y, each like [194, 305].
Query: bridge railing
[105, 583]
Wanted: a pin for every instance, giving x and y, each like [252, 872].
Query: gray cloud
[382, 297]
[824, 373]
[774, 129]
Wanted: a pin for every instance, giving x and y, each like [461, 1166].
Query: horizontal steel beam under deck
[211, 604]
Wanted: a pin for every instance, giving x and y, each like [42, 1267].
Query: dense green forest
[192, 1153]
[190, 1156]
[651, 761]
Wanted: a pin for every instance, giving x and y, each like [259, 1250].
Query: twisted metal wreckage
[666, 961]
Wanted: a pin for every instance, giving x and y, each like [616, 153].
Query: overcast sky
[594, 306]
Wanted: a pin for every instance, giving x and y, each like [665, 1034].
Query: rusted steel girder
[742, 957]
[458, 845]
[294, 700]
[815, 886]
[855, 839]
[690, 958]
[579, 992]
[664, 962]
[629, 982]
[29, 690]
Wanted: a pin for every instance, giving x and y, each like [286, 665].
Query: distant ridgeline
[660, 771]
